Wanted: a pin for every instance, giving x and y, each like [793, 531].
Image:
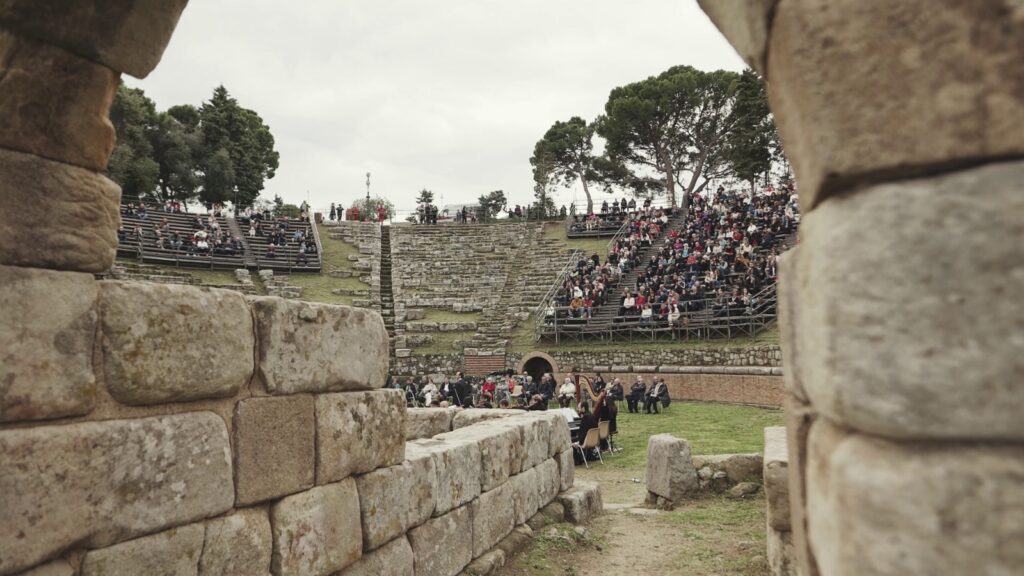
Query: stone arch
[532, 359]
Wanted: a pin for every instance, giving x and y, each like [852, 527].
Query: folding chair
[603, 429]
[593, 440]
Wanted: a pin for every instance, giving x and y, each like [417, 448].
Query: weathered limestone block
[47, 331]
[238, 545]
[781, 556]
[500, 450]
[392, 559]
[581, 502]
[471, 416]
[877, 506]
[358, 432]
[737, 467]
[56, 568]
[525, 496]
[175, 551]
[670, 471]
[174, 343]
[559, 438]
[55, 104]
[457, 465]
[535, 434]
[308, 347]
[85, 198]
[126, 35]
[274, 448]
[745, 24]
[789, 310]
[443, 546]
[384, 505]
[493, 518]
[427, 422]
[317, 532]
[566, 469]
[96, 483]
[776, 477]
[487, 564]
[549, 480]
[799, 418]
[516, 542]
[420, 485]
[938, 94]
[887, 352]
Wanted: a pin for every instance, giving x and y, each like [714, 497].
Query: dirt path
[708, 536]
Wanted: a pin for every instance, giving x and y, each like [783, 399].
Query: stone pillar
[60, 65]
[900, 312]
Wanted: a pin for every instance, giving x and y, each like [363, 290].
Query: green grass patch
[710, 429]
[556, 231]
[335, 252]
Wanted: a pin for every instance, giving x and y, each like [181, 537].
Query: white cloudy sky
[450, 95]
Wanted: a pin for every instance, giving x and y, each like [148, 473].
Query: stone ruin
[169, 428]
[901, 324]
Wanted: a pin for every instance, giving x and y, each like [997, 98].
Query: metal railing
[570, 265]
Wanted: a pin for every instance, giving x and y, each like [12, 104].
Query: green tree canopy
[491, 204]
[425, 197]
[368, 207]
[670, 131]
[565, 153]
[132, 164]
[749, 148]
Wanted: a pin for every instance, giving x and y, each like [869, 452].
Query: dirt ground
[708, 536]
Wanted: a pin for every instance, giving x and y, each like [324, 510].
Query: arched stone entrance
[536, 364]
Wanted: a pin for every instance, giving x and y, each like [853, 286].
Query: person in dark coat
[636, 393]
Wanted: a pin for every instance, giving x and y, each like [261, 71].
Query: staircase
[387, 299]
[236, 231]
[606, 314]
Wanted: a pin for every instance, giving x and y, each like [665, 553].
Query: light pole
[367, 189]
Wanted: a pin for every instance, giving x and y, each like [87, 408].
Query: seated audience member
[653, 397]
[567, 393]
[636, 394]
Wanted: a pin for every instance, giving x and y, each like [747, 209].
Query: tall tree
[132, 164]
[566, 151]
[491, 204]
[669, 131]
[425, 197]
[543, 182]
[248, 143]
[749, 148]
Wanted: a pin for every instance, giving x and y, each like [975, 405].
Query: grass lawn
[707, 534]
[317, 287]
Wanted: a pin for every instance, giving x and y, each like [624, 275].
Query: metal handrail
[538, 311]
[316, 239]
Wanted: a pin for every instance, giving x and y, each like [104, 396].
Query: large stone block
[358, 432]
[549, 481]
[97, 483]
[56, 568]
[535, 434]
[737, 467]
[84, 236]
[493, 518]
[670, 471]
[308, 347]
[789, 310]
[566, 469]
[457, 466]
[799, 417]
[559, 438]
[500, 450]
[172, 553]
[925, 346]
[55, 104]
[47, 331]
[421, 484]
[776, 477]
[877, 506]
[384, 505]
[275, 447]
[238, 545]
[317, 532]
[443, 546]
[781, 556]
[471, 416]
[745, 23]
[392, 559]
[525, 495]
[581, 502]
[427, 422]
[943, 79]
[174, 343]
[126, 35]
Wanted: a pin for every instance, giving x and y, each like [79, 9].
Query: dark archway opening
[536, 367]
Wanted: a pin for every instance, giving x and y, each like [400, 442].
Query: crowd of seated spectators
[205, 237]
[718, 262]
[609, 219]
[586, 287]
[279, 233]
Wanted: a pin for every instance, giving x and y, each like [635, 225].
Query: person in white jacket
[567, 393]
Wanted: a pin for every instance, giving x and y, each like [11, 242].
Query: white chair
[592, 440]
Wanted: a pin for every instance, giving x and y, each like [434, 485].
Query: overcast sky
[449, 95]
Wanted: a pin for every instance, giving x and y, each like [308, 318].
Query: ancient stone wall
[901, 326]
[625, 358]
